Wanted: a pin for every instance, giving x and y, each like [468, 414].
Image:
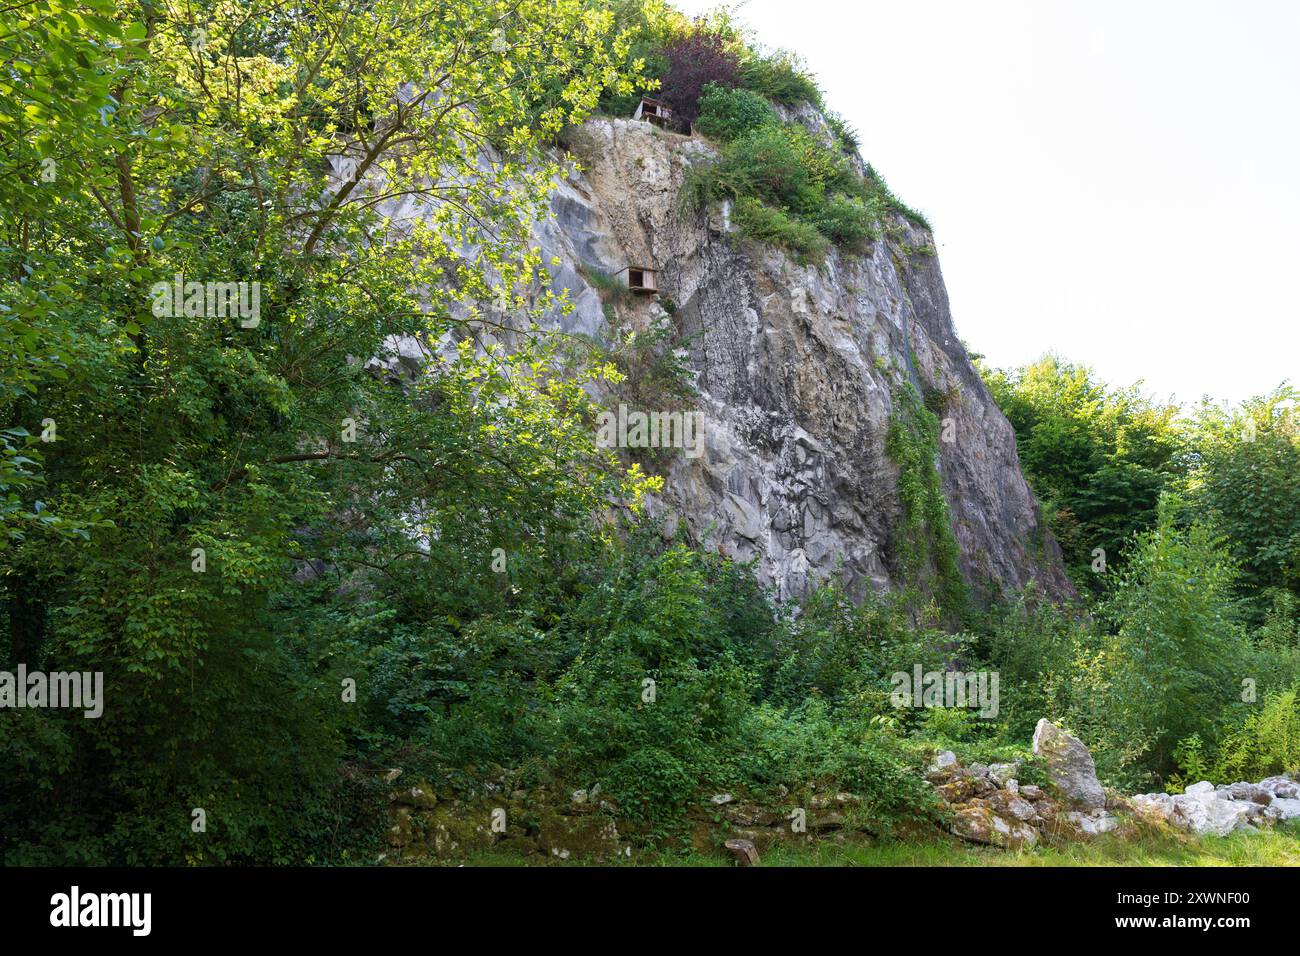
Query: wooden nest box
[654, 111]
[641, 279]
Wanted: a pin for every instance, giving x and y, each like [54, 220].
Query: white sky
[1115, 181]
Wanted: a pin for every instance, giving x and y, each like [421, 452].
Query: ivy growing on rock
[925, 543]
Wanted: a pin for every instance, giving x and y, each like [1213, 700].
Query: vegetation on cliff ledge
[925, 547]
[795, 183]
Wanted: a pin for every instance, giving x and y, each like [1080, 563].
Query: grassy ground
[1277, 848]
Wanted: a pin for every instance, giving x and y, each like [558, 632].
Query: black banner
[545, 903]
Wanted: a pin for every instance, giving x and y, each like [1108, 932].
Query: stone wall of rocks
[984, 804]
[528, 824]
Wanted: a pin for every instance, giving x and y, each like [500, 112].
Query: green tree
[1247, 480]
[265, 144]
[1097, 458]
[1178, 654]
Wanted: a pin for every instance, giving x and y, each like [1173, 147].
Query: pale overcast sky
[1115, 181]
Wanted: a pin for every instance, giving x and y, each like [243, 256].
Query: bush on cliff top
[780, 77]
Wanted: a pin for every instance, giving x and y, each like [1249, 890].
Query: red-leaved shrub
[694, 61]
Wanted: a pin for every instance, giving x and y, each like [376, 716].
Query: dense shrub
[789, 188]
[764, 223]
[656, 692]
[1248, 479]
[845, 134]
[845, 652]
[1267, 742]
[925, 547]
[1035, 647]
[1177, 652]
[726, 112]
[812, 744]
[252, 746]
[846, 221]
[1097, 458]
[768, 162]
[1277, 644]
[878, 190]
[779, 77]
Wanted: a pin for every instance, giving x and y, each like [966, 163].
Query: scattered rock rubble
[988, 805]
[1206, 809]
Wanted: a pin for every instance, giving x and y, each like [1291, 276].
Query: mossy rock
[520, 843]
[402, 831]
[447, 832]
[958, 791]
[765, 838]
[704, 834]
[592, 836]
[420, 795]
[457, 830]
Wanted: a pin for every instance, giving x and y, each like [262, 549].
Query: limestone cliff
[796, 368]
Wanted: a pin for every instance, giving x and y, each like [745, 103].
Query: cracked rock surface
[796, 367]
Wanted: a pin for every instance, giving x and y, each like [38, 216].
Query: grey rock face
[1070, 765]
[943, 764]
[796, 367]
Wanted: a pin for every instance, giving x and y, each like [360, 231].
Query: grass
[1280, 847]
[611, 289]
[763, 223]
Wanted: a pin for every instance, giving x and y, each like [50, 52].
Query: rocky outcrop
[1070, 765]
